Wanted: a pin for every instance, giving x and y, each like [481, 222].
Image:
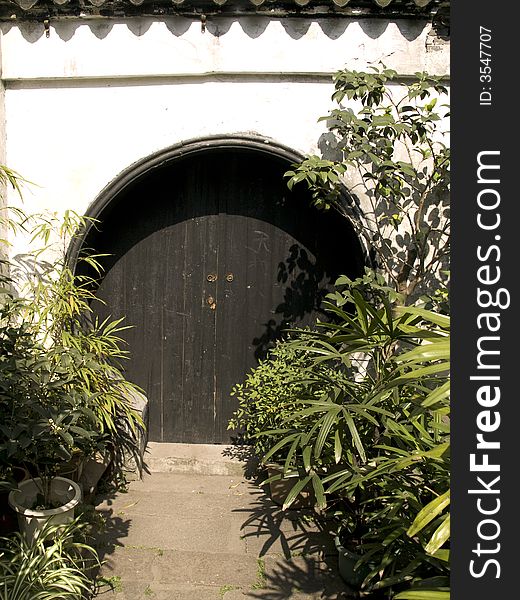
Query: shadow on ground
[304, 577]
[297, 531]
[109, 530]
[307, 563]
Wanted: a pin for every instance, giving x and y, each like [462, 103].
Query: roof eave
[83, 9]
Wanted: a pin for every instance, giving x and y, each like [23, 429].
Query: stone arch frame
[141, 170]
[144, 166]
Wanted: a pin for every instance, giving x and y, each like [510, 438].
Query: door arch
[211, 258]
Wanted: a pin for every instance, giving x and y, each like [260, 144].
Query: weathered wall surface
[92, 98]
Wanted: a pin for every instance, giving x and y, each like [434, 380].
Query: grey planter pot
[279, 489]
[346, 562]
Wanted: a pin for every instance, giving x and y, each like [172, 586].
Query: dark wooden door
[212, 258]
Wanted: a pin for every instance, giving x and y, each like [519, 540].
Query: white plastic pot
[93, 470]
[30, 521]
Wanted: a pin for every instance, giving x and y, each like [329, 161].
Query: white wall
[141, 47]
[92, 98]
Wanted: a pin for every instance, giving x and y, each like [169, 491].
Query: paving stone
[186, 482]
[178, 504]
[168, 566]
[303, 574]
[129, 564]
[162, 592]
[200, 537]
[204, 459]
[189, 535]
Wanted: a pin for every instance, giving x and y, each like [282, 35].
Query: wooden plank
[222, 213]
[284, 257]
[189, 345]
[156, 279]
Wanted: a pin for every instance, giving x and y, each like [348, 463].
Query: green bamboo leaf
[423, 595]
[392, 449]
[338, 449]
[306, 455]
[428, 315]
[345, 473]
[319, 492]
[364, 413]
[361, 310]
[404, 575]
[422, 372]
[290, 454]
[439, 451]
[428, 352]
[439, 394]
[296, 489]
[329, 420]
[441, 535]
[436, 452]
[437, 350]
[425, 436]
[428, 513]
[355, 436]
[279, 445]
[443, 555]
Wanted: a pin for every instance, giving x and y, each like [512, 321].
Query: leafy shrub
[45, 410]
[388, 429]
[268, 395]
[61, 385]
[271, 394]
[55, 567]
[373, 443]
[392, 142]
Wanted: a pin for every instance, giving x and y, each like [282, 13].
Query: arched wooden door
[211, 258]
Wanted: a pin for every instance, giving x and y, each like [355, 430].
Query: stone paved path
[182, 536]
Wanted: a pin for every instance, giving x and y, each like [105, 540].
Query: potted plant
[39, 503]
[63, 399]
[10, 477]
[45, 420]
[350, 565]
[46, 437]
[371, 439]
[59, 306]
[59, 564]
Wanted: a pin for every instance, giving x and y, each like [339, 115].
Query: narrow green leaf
[338, 449]
[428, 315]
[443, 555]
[441, 535]
[296, 489]
[423, 595]
[422, 372]
[437, 350]
[355, 436]
[290, 454]
[319, 492]
[329, 419]
[306, 454]
[428, 513]
[278, 446]
[443, 391]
